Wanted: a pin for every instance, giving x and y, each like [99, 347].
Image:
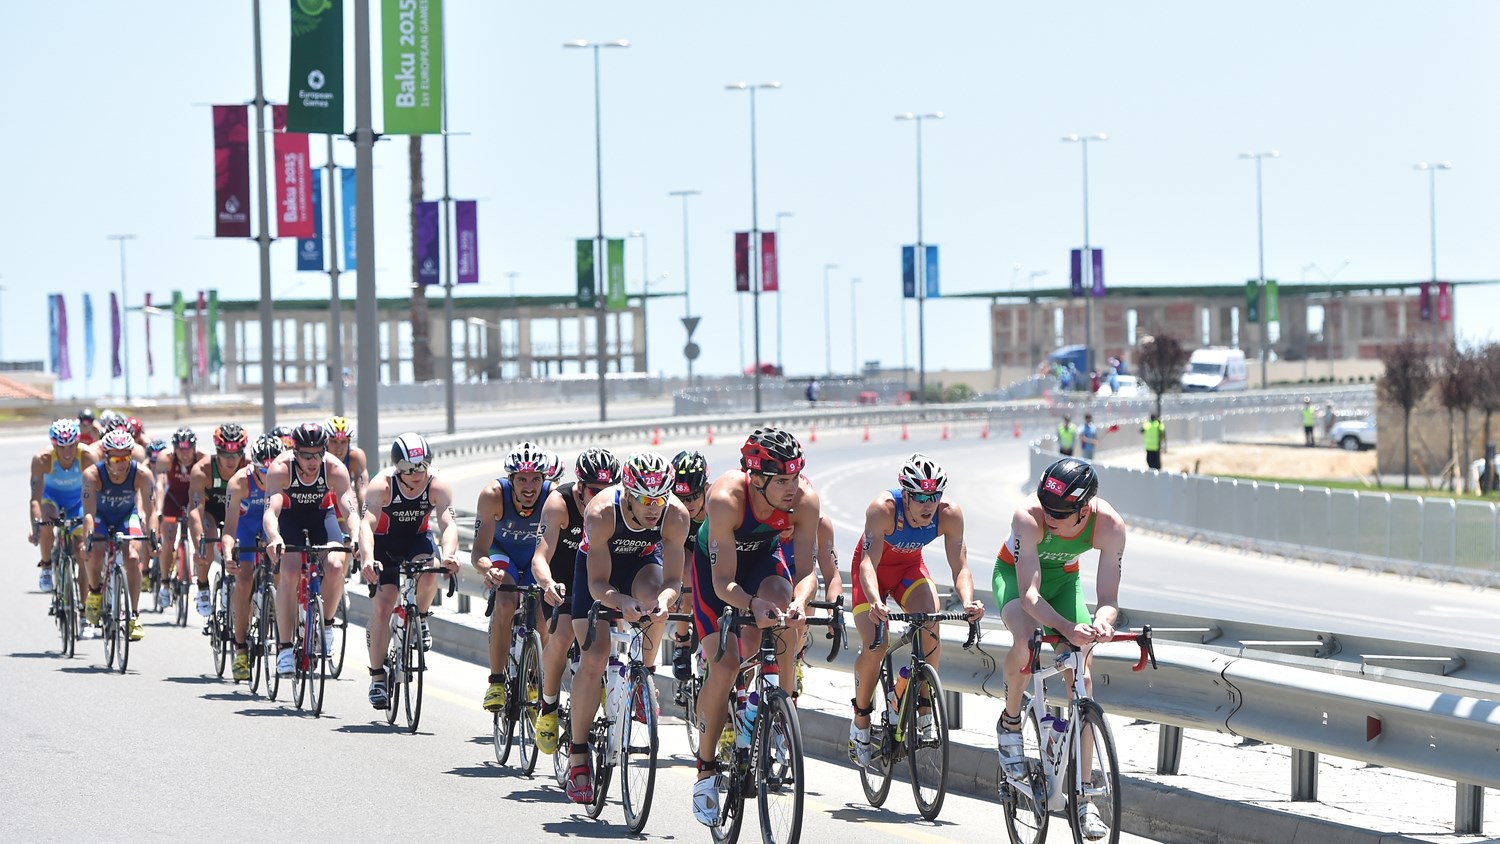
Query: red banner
[742, 261]
[768, 262]
[231, 171]
[294, 214]
[1424, 301]
[1444, 305]
[150, 365]
[278, 118]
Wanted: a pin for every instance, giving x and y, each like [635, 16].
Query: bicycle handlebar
[530, 589]
[835, 624]
[598, 612]
[923, 618]
[734, 618]
[1142, 639]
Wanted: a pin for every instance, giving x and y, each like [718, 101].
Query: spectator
[1093, 381]
[1328, 420]
[813, 388]
[1089, 437]
[1154, 435]
[1309, 419]
[1067, 432]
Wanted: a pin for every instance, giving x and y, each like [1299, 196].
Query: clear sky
[109, 131]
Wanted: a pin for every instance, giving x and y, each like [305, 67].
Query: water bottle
[398, 620]
[1054, 730]
[741, 722]
[902, 678]
[614, 689]
[752, 706]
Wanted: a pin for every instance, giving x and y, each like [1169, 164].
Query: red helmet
[771, 451]
[135, 427]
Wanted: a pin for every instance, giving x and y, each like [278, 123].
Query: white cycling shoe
[1090, 824]
[706, 802]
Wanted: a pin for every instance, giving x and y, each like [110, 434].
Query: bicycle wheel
[875, 778]
[152, 583]
[730, 787]
[299, 655]
[109, 620]
[531, 700]
[268, 636]
[1100, 784]
[565, 738]
[341, 633]
[927, 750]
[505, 716]
[317, 661]
[690, 690]
[216, 626]
[395, 668]
[1024, 799]
[416, 668]
[181, 587]
[779, 775]
[638, 745]
[603, 765]
[66, 627]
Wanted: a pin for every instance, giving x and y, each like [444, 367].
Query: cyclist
[208, 498]
[555, 564]
[57, 491]
[307, 491]
[244, 524]
[506, 525]
[116, 499]
[1036, 583]
[341, 445]
[88, 431]
[630, 560]
[737, 561]
[174, 477]
[283, 433]
[691, 488]
[396, 530]
[888, 563]
[154, 450]
[110, 420]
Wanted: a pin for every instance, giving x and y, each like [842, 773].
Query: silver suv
[1353, 434]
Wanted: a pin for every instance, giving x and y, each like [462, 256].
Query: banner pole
[448, 243]
[366, 309]
[263, 240]
[335, 302]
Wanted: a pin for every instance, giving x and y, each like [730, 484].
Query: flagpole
[335, 302]
[267, 316]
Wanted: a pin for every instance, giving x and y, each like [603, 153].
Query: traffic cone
[903, 430]
[656, 436]
[945, 431]
[867, 433]
[984, 432]
[1018, 430]
[812, 435]
[710, 435]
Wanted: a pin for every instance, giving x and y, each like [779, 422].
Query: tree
[1161, 360]
[421, 344]
[1487, 365]
[1407, 379]
[1457, 375]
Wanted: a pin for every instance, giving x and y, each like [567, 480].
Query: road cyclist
[117, 498]
[244, 525]
[174, 479]
[208, 500]
[57, 492]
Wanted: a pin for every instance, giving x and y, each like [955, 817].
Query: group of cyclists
[642, 536]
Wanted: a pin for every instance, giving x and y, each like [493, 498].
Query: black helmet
[771, 451]
[310, 435]
[597, 466]
[1067, 486]
[266, 449]
[692, 473]
[184, 435]
[86, 415]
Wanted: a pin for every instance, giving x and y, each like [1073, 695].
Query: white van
[1216, 369]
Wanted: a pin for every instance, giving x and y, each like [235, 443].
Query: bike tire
[395, 668]
[216, 626]
[690, 690]
[317, 661]
[875, 778]
[927, 759]
[299, 643]
[269, 636]
[565, 738]
[341, 632]
[730, 788]
[416, 669]
[122, 621]
[603, 766]
[1025, 803]
[780, 775]
[181, 585]
[638, 747]
[108, 621]
[152, 582]
[1101, 782]
[66, 611]
[505, 716]
[531, 700]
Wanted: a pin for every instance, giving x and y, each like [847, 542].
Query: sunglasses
[413, 469]
[594, 490]
[119, 458]
[1059, 516]
[924, 497]
[650, 500]
[310, 455]
[688, 499]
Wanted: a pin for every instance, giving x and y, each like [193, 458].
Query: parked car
[1128, 387]
[1353, 434]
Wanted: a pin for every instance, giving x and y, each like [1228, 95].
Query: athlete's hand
[371, 571]
[879, 612]
[450, 562]
[35, 536]
[1081, 634]
[494, 576]
[554, 593]
[767, 615]
[200, 559]
[796, 616]
[1103, 629]
[657, 612]
[974, 610]
[632, 610]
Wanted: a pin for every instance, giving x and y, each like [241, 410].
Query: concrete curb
[1164, 813]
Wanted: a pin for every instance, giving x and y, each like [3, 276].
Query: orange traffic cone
[945, 432]
[867, 433]
[984, 432]
[1018, 430]
[903, 430]
[812, 435]
[710, 435]
[656, 436]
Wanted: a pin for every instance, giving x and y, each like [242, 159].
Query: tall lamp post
[920, 262]
[1087, 268]
[1260, 248]
[599, 253]
[124, 309]
[780, 361]
[1432, 168]
[827, 324]
[754, 230]
[689, 349]
[853, 328]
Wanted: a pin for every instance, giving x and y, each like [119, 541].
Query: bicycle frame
[916, 622]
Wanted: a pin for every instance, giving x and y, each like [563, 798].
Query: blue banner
[1075, 271]
[88, 336]
[310, 249]
[909, 272]
[350, 233]
[1097, 263]
[932, 273]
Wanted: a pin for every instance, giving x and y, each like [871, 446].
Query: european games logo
[315, 80]
[232, 204]
[310, 247]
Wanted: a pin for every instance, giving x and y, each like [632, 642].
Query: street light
[780, 364]
[754, 228]
[853, 329]
[1086, 268]
[124, 309]
[827, 324]
[689, 350]
[187, 383]
[919, 262]
[1432, 168]
[599, 253]
[1260, 241]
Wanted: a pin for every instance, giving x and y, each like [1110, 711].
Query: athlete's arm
[145, 500]
[40, 465]
[90, 499]
[377, 496]
[880, 520]
[161, 468]
[673, 538]
[277, 479]
[828, 559]
[1109, 538]
[197, 491]
[805, 517]
[239, 486]
[490, 508]
[359, 474]
[1029, 581]
[554, 513]
[952, 531]
[441, 496]
[343, 493]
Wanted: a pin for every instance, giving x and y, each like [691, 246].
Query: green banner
[616, 269]
[1273, 300]
[585, 272]
[315, 101]
[215, 360]
[412, 49]
[181, 353]
[1252, 301]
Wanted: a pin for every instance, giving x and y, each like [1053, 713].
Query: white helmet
[647, 473]
[922, 474]
[526, 458]
[410, 450]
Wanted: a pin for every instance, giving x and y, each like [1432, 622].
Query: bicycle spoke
[638, 745]
[1100, 782]
[1025, 798]
[780, 773]
[927, 741]
[875, 778]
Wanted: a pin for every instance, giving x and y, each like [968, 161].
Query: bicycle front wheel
[182, 584]
[875, 778]
[1093, 777]
[603, 765]
[67, 611]
[267, 636]
[729, 784]
[565, 737]
[395, 667]
[317, 660]
[216, 625]
[779, 769]
[927, 741]
[122, 620]
[341, 633]
[415, 669]
[531, 700]
[1024, 797]
[638, 745]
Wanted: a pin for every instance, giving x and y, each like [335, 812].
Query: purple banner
[1075, 271]
[1425, 301]
[64, 371]
[467, 229]
[231, 171]
[742, 262]
[1097, 257]
[52, 331]
[426, 246]
[114, 336]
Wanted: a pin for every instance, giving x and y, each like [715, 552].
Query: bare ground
[1262, 460]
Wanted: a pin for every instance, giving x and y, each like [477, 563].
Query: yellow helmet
[339, 428]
